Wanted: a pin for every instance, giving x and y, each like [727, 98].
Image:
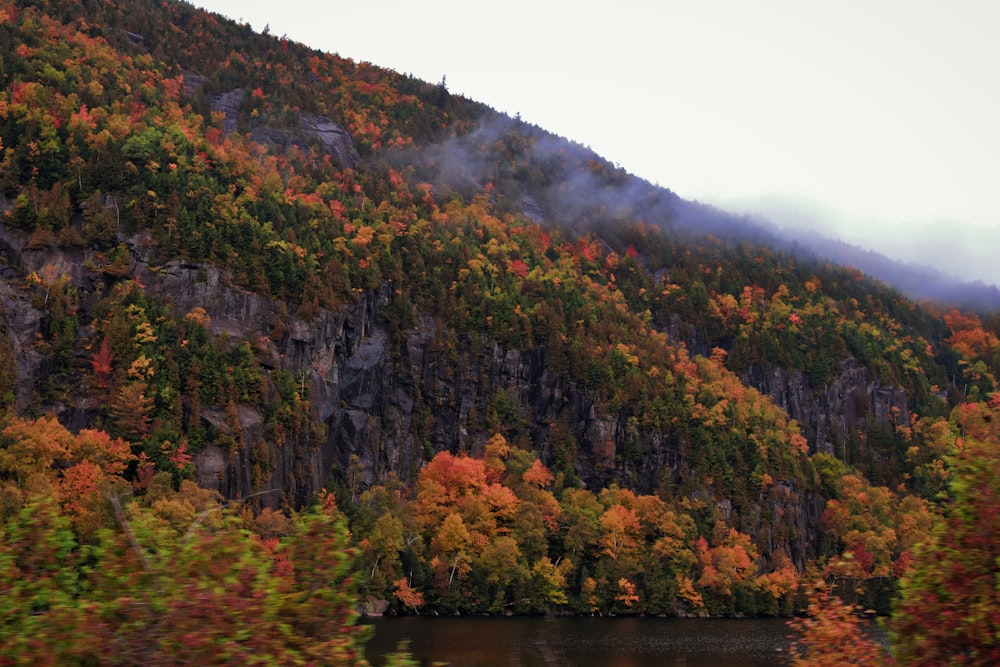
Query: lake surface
[584, 642]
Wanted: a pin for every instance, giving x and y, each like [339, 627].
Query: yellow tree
[620, 531]
[450, 549]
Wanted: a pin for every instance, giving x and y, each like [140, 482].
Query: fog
[957, 248]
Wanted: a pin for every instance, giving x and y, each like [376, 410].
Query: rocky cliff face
[390, 404]
[331, 138]
[387, 406]
[21, 323]
[830, 416]
[330, 354]
[23, 310]
[382, 406]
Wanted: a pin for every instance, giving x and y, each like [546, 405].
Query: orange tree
[831, 635]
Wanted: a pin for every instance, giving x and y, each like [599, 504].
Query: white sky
[877, 121]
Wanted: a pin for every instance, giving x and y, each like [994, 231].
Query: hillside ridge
[274, 271]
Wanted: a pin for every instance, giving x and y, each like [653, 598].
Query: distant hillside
[916, 281]
[269, 270]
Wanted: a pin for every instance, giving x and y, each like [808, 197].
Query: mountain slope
[272, 269]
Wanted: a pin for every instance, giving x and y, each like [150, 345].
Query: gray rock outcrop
[229, 103]
[827, 416]
[331, 137]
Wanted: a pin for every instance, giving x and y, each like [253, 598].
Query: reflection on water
[585, 642]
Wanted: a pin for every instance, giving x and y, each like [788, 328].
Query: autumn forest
[289, 338]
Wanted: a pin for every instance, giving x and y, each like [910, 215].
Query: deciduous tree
[949, 605]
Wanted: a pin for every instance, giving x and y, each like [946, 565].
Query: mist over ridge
[560, 188]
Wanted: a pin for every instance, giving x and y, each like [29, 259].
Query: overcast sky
[875, 121]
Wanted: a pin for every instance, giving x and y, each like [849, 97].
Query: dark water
[585, 642]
